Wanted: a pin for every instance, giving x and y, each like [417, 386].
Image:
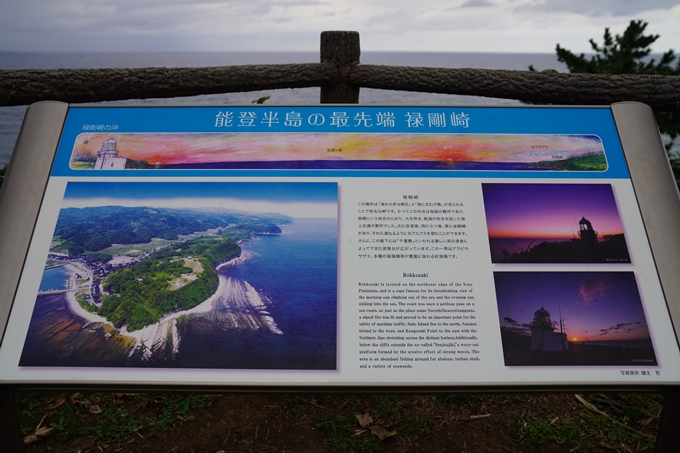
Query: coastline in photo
[190, 275]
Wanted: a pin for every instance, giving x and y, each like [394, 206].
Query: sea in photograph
[517, 245]
[572, 319]
[54, 278]
[294, 274]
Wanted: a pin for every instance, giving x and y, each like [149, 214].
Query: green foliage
[588, 162]
[96, 242]
[416, 424]
[621, 54]
[58, 425]
[537, 434]
[261, 100]
[136, 415]
[101, 257]
[473, 401]
[138, 164]
[294, 406]
[91, 229]
[341, 437]
[141, 294]
[606, 430]
[632, 410]
[629, 54]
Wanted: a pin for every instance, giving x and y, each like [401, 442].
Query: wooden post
[667, 435]
[340, 49]
[11, 438]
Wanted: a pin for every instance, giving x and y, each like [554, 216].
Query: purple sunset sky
[549, 210]
[594, 305]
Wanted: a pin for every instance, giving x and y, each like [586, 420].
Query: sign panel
[340, 245]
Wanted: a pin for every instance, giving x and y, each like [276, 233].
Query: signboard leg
[667, 437]
[342, 49]
[10, 431]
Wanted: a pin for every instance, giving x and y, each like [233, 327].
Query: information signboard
[339, 246]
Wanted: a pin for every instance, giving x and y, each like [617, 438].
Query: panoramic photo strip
[96, 151]
[572, 318]
[554, 223]
[190, 275]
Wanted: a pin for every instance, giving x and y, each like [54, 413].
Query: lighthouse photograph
[554, 223]
[572, 318]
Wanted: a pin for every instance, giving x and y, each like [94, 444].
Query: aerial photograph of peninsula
[572, 318]
[554, 223]
[190, 275]
[97, 151]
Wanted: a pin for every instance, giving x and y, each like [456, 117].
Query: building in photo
[543, 335]
[107, 156]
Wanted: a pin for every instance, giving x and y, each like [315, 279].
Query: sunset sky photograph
[249, 147]
[549, 210]
[594, 305]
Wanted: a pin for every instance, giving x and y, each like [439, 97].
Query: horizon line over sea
[12, 117]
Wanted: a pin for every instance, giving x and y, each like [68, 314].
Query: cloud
[477, 4]
[599, 8]
[593, 289]
[294, 25]
[625, 326]
[517, 327]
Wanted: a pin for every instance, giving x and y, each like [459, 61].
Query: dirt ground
[341, 423]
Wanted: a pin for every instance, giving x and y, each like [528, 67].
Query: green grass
[341, 436]
[120, 417]
[537, 434]
[617, 431]
[629, 410]
[588, 162]
[471, 401]
[342, 432]
[126, 418]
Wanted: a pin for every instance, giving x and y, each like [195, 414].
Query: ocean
[54, 278]
[11, 117]
[516, 245]
[294, 274]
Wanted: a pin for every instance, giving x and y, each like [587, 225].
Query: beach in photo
[554, 223]
[190, 275]
[572, 319]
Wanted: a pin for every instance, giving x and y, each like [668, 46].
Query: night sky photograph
[545, 223]
[601, 312]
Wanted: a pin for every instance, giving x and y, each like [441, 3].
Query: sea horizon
[12, 117]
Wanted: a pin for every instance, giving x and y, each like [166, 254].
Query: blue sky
[294, 25]
[313, 200]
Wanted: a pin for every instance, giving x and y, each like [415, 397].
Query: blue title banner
[341, 140]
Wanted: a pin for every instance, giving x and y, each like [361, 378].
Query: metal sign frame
[656, 197]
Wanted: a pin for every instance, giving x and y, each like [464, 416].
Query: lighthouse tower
[540, 326]
[543, 335]
[587, 233]
[107, 156]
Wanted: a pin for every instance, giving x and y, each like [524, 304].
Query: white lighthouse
[107, 156]
[543, 335]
